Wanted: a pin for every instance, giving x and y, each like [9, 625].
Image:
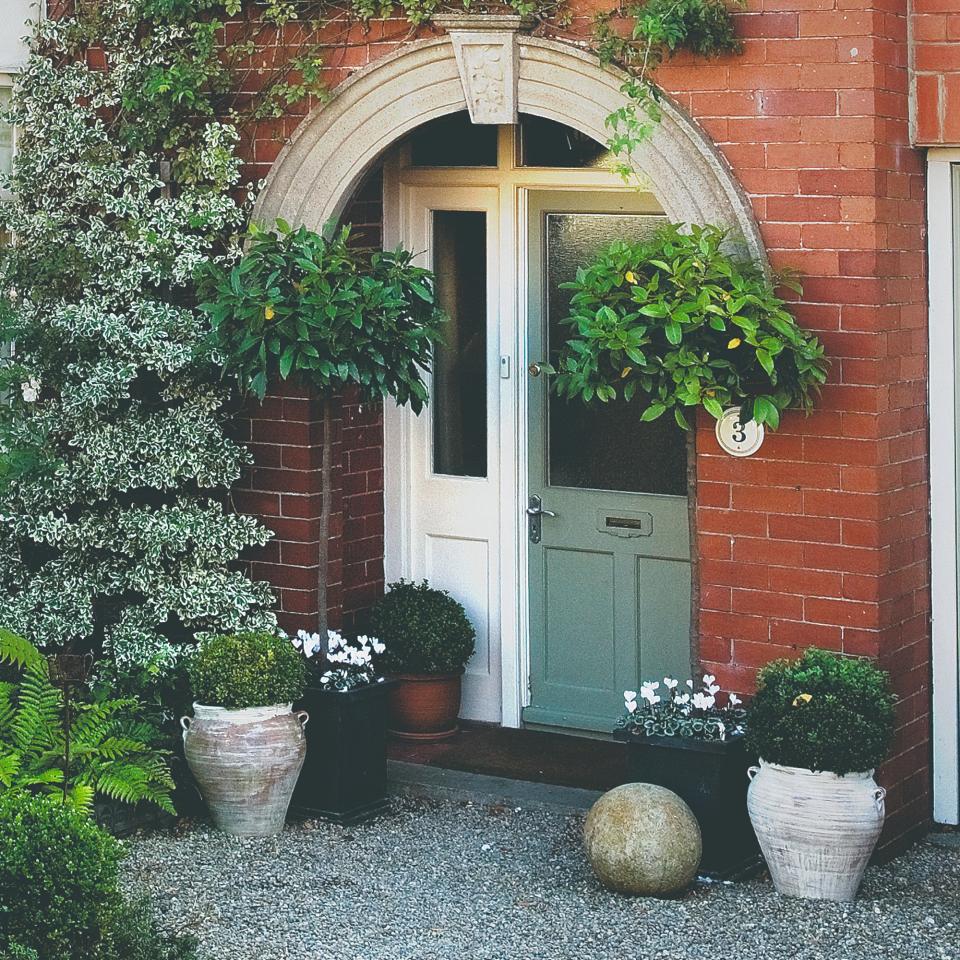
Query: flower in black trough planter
[353, 659]
[682, 713]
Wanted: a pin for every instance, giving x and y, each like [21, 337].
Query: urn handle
[879, 795]
[185, 723]
[752, 772]
[303, 717]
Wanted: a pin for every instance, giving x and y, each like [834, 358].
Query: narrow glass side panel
[604, 446]
[459, 401]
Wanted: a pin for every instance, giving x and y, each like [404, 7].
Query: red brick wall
[284, 487]
[823, 536]
[935, 59]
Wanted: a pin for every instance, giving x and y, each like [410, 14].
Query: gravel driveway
[444, 880]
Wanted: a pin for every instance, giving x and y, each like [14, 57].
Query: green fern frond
[38, 706]
[9, 767]
[80, 797]
[14, 649]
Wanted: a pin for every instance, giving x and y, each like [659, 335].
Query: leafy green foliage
[660, 29]
[114, 461]
[303, 305]
[113, 750]
[59, 894]
[424, 630]
[822, 712]
[677, 322]
[247, 670]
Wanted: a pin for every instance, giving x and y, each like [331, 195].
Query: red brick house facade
[821, 538]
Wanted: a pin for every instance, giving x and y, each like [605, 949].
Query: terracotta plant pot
[425, 706]
[246, 763]
[817, 830]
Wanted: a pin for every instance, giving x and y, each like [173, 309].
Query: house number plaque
[737, 438]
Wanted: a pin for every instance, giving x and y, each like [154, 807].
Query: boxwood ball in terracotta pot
[429, 640]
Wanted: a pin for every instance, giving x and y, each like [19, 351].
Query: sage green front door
[609, 571]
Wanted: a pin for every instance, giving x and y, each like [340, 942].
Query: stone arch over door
[317, 172]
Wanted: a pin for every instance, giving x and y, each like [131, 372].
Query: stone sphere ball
[643, 839]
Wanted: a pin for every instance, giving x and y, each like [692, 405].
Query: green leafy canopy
[677, 322]
[313, 307]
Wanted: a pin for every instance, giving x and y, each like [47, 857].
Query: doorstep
[420, 780]
[485, 762]
[539, 756]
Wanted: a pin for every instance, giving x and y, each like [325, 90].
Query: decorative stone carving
[488, 61]
[334, 147]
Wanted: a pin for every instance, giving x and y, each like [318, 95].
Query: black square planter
[711, 776]
[344, 776]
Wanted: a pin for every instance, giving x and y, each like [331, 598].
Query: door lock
[535, 515]
[534, 369]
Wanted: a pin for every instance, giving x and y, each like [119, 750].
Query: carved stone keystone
[488, 60]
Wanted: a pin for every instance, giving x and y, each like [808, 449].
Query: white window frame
[6, 83]
[943, 232]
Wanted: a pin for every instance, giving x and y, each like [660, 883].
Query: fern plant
[112, 752]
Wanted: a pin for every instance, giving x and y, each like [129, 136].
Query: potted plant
[428, 642]
[684, 740]
[344, 777]
[244, 744]
[820, 726]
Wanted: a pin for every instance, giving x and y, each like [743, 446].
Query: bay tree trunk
[695, 665]
[323, 547]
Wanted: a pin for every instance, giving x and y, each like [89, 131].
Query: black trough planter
[711, 776]
[344, 776]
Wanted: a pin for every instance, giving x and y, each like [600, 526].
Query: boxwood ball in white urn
[643, 839]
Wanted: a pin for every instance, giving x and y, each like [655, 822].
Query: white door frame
[942, 265]
[515, 183]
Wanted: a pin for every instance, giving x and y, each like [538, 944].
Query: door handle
[535, 515]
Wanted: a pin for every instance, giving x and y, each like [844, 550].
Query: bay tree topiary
[679, 322]
[315, 309]
[116, 532]
[682, 321]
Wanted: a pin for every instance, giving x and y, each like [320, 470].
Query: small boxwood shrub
[59, 894]
[424, 629]
[822, 712]
[246, 670]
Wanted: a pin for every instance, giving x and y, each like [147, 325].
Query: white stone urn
[246, 763]
[817, 830]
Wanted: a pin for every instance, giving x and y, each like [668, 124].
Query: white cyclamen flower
[631, 706]
[670, 683]
[735, 701]
[708, 678]
[30, 391]
[629, 695]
